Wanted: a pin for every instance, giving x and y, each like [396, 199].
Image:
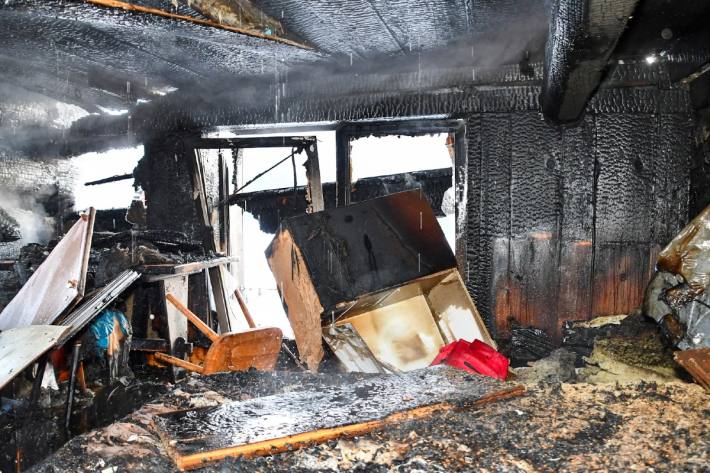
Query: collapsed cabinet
[377, 281]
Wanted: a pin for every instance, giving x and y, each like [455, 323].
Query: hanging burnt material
[678, 297]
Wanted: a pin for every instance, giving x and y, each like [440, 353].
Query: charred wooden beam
[199, 21]
[120, 177]
[271, 206]
[238, 13]
[582, 36]
[257, 142]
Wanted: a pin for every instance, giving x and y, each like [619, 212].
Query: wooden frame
[346, 132]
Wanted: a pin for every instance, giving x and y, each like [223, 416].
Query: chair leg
[178, 362]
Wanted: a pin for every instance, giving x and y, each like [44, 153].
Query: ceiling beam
[117, 4]
[581, 38]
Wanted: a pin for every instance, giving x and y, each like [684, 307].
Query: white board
[56, 284]
[20, 347]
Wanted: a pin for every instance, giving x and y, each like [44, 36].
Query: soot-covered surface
[283, 415]
[361, 248]
[553, 427]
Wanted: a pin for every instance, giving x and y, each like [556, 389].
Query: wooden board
[157, 272]
[177, 323]
[58, 282]
[276, 423]
[20, 347]
[299, 296]
[368, 246]
[697, 363]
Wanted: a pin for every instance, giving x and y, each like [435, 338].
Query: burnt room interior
[369, 235]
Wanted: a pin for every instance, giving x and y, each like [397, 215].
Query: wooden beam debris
[116, 4]
[288, 421]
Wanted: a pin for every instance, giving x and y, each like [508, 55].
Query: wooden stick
[245, 309]
[178, 362]
[201, 326]
[292, 442]
[198, 21]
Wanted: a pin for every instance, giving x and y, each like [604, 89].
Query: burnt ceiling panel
[369, 27]
[73, 40]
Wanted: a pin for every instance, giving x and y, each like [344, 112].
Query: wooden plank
[223, 214]
[176, 322]
[620, 278]
[57, 284]
[314, 191]
[301, 300]
[253, 142]
[343, 168]
[158, 270]
[285, 421]
[697, 363]
[191, 19]
[215, 273]
[20, 347]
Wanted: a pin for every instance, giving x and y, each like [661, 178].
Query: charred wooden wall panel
[535, 215]
[576, 222]
[565, 223]
[495, 208]
[164, 173]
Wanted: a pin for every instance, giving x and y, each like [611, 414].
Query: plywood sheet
[270, 423]
[299, 297]
[177, 323]
[58, 282]
[362, 248]
[455, 311]
[19, 347]
[402, 335]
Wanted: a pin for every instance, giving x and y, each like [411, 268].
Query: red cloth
[476, 357]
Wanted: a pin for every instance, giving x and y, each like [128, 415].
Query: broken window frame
[347, 132]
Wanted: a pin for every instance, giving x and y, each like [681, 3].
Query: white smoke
[35, 225]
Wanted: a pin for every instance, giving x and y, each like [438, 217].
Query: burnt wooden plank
[192, 434]
[671, 177]
[495, 217]
[535, 194]
[183, 269]
[475, 263]
[624, 228]
[574, 296]
[384, 242]
[624, 192]
[620, 277]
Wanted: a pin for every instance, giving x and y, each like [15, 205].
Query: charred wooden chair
[235, 351]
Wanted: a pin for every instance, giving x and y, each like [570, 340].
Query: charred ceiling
[142, 74]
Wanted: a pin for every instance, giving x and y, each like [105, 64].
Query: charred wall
[700, 172]
[37, 185]
[165, 174]
[565, 223]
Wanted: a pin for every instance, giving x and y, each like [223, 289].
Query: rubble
[554, 427]
[528, 344]
[678, 296]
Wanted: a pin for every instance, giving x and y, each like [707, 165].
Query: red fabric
[476, 357]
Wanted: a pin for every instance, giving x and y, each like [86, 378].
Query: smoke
[27, 209]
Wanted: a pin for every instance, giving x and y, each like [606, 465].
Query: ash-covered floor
[552, 427]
